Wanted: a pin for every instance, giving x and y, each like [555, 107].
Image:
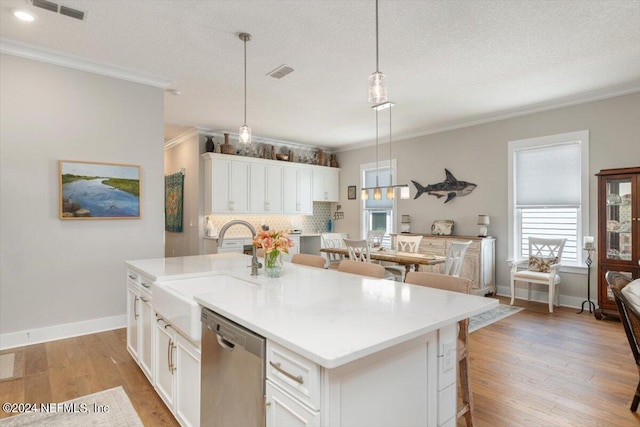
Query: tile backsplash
[309, 224]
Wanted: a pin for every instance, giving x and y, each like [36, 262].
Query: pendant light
[377, 192]
[377, 81]
[245, 131]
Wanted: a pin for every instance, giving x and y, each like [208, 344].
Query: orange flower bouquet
[274, 244]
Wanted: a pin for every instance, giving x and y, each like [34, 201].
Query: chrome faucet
[255, 265]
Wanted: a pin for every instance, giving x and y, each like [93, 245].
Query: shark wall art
[450, 187]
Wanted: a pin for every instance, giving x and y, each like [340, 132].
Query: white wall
[479, 154]
[61, 278]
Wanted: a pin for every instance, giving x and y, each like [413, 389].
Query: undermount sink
[173, 300]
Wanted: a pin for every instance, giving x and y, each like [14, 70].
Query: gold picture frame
[95, 190]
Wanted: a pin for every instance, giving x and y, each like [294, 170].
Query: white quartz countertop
[190, 266]
[330, 317]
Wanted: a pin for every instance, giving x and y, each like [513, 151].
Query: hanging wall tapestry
[450, 187]
[173, 201]
[90, 190]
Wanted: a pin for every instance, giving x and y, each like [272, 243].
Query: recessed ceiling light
[23, 15]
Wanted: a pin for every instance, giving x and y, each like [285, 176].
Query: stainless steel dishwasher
[232, 387]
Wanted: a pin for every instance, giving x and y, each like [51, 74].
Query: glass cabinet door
[618, 245]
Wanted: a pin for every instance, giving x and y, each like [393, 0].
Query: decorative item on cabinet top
[442, 227]
[273, 150]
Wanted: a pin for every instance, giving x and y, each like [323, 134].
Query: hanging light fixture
[245, 131]
[377, 191]
[377, 81]
[404, 188]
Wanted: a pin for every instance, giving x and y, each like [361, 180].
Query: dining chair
[626, 292]
[543, 264]
[362, 268]
[358, 250]
[404, 243]
[332, 240]
[462, 285]
[374, 238]
[309, 260]
[455, 258]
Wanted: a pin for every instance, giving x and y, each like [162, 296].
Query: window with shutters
[549, 192]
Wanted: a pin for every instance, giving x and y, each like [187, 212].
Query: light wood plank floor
[530, 369]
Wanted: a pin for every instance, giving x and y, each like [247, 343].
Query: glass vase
[273, 264]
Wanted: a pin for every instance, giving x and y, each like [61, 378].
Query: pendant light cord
[390, 166]
[377, 63]
[377, 168]
[245, 81]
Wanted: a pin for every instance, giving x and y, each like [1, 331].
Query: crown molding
[567, 101]
[37, 53]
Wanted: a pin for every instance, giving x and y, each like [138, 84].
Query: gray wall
[62, 277]
[479, 154]
[185, 154]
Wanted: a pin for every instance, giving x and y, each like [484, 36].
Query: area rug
[492, 316]
[109, 408]
[11, 365]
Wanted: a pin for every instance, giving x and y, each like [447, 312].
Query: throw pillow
[632, 294]
[541, 264]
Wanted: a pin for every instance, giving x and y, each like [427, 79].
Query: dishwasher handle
[227, 345]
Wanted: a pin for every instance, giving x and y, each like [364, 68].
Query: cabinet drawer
[295, 374]
[433, 244]
[133, 276]
[145, 283]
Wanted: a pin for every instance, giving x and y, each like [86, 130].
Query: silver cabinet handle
[132, 277]
[169, 354]
[173, 365]
[145, 284]
[135, 306]
[278, 368]
[144, 299]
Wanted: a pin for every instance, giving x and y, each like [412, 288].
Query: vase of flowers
[274, 243]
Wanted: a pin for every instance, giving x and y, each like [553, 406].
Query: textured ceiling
[446, 62]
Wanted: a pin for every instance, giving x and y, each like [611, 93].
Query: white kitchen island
[355, 351]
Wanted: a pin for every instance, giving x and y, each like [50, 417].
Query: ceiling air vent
[72, 13]
[63, 10]
[47, 5]
[280, 72]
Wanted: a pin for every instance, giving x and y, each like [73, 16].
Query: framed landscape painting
[90, 190]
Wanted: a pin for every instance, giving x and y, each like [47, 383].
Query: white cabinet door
[326, 185]
[133, 312]
[266, 188]
[290, 190]
[239, 187]
[218, 186]
[283, 410]
[226, 186]
[164, 368]
[274, 188]
[146, 330]
[187, 377]
[304, 189]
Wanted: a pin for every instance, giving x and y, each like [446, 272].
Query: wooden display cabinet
[618, 231]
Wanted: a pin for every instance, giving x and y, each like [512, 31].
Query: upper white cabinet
[297, 191]
[226, 186]
[326, 185]
[265, 188]
[235, 184]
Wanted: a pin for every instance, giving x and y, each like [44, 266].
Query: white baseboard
[56, 332]
[543, 297]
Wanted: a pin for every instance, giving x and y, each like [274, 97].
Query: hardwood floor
[62, 370]
[530, 369]
[535, 368]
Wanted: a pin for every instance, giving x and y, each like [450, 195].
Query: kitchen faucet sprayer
[255, 265]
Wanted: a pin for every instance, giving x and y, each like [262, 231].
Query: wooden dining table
[403, 258]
